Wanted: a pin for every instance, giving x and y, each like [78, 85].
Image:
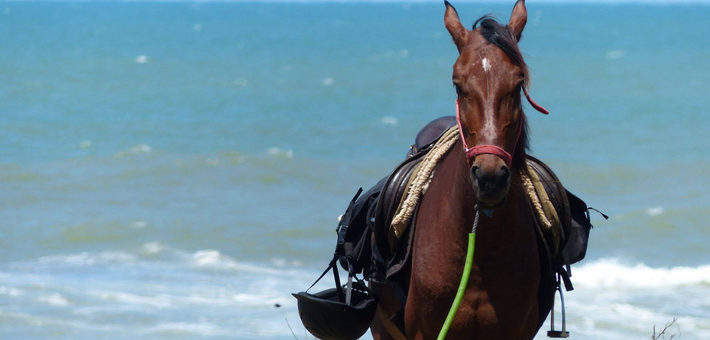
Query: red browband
[471, 153]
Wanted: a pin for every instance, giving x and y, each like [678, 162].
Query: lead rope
[464, 280]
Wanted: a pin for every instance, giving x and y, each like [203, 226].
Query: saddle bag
[576, 247]
[355, 230]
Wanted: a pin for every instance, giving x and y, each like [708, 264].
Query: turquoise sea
[175, 169]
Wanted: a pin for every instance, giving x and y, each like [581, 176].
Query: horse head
[489, 75]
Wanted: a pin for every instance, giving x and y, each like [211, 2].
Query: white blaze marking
[486, 64]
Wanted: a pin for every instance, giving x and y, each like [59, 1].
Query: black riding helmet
[326, 317]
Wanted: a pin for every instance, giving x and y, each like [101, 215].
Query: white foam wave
[617, 301]
[11, 292]
[54, 299]
[141, 148]
[35, 321]
[611, 273]
[156, 254]
[262, 294]
[213, 259]
[280, 153]
[139, 224]
[157, 301]
[389, 120]
[281, 263]
[85, 144]
[154, 247]
[141, 59]
[613, 55]
[603, 318]
[184, 328]
[655, 211]
[154, 283]
[612, 300]
[136, 150]
[87, 259]
[252, 300]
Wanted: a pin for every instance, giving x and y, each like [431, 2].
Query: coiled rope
[425, 172]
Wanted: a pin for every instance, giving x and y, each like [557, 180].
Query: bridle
[471, 153]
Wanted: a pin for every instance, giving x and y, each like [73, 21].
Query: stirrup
[552, 333]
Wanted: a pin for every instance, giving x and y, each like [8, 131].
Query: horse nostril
[476, 172]
[504, 174]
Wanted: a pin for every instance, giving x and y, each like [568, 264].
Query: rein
[471, 153]
[464, 280]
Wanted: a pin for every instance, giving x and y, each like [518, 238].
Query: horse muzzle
[490, 177]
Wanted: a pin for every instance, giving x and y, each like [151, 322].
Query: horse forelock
[502, 37]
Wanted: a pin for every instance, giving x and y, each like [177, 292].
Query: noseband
[471, 153]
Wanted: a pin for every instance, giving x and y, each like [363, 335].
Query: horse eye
[459, 91]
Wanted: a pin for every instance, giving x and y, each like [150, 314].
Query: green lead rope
[464, 281]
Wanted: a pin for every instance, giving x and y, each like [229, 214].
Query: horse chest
[501, 296]
[495, 307]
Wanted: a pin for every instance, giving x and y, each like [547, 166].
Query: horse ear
[518, 19]
[454, 26]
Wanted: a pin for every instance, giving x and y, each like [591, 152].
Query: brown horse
[501, 300]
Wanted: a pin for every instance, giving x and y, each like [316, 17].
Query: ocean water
[175, 170]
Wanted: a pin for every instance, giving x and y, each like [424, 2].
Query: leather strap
[533, 103]
[488, 149]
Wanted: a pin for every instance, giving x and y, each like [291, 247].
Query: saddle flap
[390, 198]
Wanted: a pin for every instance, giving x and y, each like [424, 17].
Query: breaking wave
[611, 273]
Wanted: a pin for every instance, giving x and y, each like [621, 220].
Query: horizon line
[546, 2]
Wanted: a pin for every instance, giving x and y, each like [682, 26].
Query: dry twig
[662, 332]
[294, 334]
